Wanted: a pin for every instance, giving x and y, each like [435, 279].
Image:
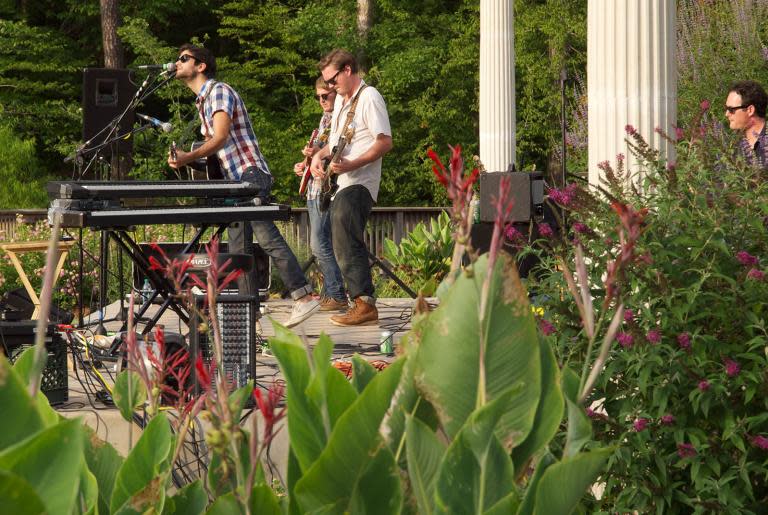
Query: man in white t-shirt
[359, 175]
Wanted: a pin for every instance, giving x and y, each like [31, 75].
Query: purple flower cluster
[684, 341]
[512, 234]
[579, 227]
[547, 328]
[757, 275]
[686, 450]
[704, 385]
[640, 424]
[732, 368]
[653, 336]
[630, 129]
[746, 259]
[545, 230]
[625, 340]
[564, 196]
[629, 315]
[667, 420]
[761, 442]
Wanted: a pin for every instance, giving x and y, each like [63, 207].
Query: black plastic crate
[16, 337]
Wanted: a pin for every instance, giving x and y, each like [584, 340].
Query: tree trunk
[110, 20]
[364, 24]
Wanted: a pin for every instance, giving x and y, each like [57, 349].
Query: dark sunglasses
[332, 80]
[323, 97]
[736, 108]
[185, 57]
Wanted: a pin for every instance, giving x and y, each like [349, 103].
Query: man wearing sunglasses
[745, 110]
[228, 133]
[334, 298]
[359, 176]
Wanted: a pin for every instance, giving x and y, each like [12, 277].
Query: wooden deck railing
[386, 222]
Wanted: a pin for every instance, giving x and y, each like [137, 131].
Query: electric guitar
[330, 185]
[307, 174]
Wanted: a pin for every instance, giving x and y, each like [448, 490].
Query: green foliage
[683, 398]
[424, 256]
[19, 174]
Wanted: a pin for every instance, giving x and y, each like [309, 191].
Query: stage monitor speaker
[526, 193]
[106, 94]
[236, 316]
[261, 261]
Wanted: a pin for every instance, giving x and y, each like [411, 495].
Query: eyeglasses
[185, 57]
[332, 80]
[736, 108]
[323, 97]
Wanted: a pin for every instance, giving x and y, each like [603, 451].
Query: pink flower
[604, 165]
[679, 134]
[757, 275]
[653, 336]
[625, 340]
[684, 341]
[686, 450]
[640, 424]
[746, 259]
[565, 196]
[703, 385]
[629, 315]
[732, 368]
[512, 234]
[579, 227]
[630, 129]
[671, 166]
[547, 328]
[620, 157]
[545, 230]
[760, 442]
[667, 419]
[704, 105]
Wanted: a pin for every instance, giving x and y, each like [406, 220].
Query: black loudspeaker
[106, 94]
[526, 192]
[18, 301]
[261, 261]
[16, 337]
[236, 316]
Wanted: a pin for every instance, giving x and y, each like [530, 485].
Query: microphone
[165, 126]
[167, 67]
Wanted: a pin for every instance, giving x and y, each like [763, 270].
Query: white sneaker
[301, 311]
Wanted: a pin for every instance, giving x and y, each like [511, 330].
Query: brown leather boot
[331, 304]
[361, 313]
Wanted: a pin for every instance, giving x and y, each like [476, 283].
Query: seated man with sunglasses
[745, 109]
[334, 297]
[229, 134]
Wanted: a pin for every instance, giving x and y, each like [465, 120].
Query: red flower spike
[203, 375]
[470, 180]
[154, 264]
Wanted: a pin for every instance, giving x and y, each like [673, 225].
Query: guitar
[210, 165]
[330, 185]
[307, 174]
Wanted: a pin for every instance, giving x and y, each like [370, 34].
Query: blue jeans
[241, 241]
[322, 248]
[350, 210]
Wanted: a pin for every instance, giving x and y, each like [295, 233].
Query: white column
[497, 85]
[631, 77]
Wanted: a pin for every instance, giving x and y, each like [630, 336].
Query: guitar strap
[351, 113]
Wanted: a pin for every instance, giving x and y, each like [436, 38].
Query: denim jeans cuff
[301, 292]
[368, 300]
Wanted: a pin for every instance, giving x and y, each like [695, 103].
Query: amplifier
[261, 261]
[237, 316]
[16, 337]
[526, 193]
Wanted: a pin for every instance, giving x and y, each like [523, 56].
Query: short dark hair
[752, 94]
[202, 55]
[338, 58]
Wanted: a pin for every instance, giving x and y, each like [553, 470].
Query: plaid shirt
[323, 132]
[241, 150]
[756, 155]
